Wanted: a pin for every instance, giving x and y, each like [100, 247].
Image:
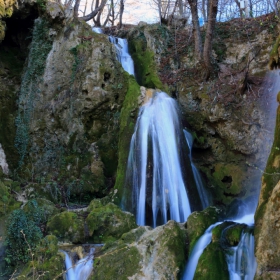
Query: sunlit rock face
[74, 119]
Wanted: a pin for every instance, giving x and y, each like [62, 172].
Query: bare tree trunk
[196, 29]
[121, 12]
[159, 11]
[213, 9]
[238, 5]
[95, 12]
[76, 8]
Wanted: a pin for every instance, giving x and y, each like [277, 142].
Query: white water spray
[198, 181]
[82, 269]
[156, 134]
[122, 54]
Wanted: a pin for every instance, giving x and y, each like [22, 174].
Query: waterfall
[154, 166]
[122, 54]
[245, 253]
[197, 251]
[82, 269]
[241, 260]
[198, 181]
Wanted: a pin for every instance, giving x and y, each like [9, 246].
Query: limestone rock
[144, 253]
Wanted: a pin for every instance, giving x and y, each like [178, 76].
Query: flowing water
[241, 259]
[197, 251]
[204, 197]
[122, 54]
[154, 148]
[80, 270]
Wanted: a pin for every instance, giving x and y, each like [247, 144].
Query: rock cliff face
[69, 105]
[267, 215]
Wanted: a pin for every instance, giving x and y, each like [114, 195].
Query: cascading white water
[205, 240]
[198, 181]
[122, 54]
[197, 251]
[156, 133]
[241, 259]
[82, 269]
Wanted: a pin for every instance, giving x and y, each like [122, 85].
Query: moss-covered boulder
[198, 222]
[233, 234]
[212, 264]
[108, 222]
[67, 226]
[144, 253]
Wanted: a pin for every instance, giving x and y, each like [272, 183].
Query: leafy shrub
[23, 234]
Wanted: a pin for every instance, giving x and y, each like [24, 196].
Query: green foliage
[23, 234]
[41, 4]
[39, 49]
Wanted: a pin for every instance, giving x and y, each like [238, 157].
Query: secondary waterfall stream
[80, 270]
[204, 197]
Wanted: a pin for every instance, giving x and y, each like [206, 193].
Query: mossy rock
[136, 253]
[233, 234]
[145, 70]
[109, 222]
[198, 222]
[228, 181]
[128, 118]
[118, 264]
[274, 55]
[67, 226]
[212, 264]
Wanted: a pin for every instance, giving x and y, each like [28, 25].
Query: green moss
[274, 55]
[143, 58]
[125, 262]
[108, 223]
[212, 264]
[198, 222]
[127, 122]
[67, 226]
[174, 238]
[228, 181]
[233, 234]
